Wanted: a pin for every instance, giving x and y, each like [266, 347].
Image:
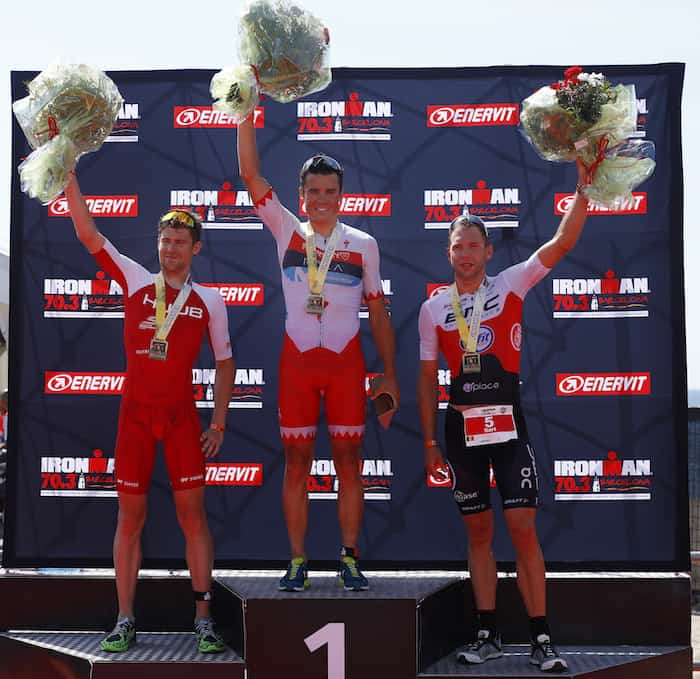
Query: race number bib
[488, 424]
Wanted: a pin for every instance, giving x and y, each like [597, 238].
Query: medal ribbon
[165, 323]
[317, 273]
[468, 334]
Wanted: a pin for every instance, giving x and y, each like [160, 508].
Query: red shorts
[140, 427]
[306, 377]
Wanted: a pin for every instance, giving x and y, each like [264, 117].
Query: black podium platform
[615, 627]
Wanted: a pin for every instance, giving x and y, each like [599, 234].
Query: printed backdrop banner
[603, 362]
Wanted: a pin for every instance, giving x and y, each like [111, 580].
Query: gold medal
[471, 362]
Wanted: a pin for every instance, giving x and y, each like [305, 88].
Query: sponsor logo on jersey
[377, 477]
[606, 478]
[126, 126]
[223, 208]
[63, 476]
[603, 384]
[361, 205]
[472, 115]
[248, 388]
[636, 205]
[99, 206]
[99, 297]
[498, 207]
[233, 474]
[354, 119]
[189, 117]
[240, 294]
[611, 296]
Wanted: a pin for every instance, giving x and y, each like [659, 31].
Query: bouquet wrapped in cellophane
[285, 54]
[585, 116]
[70, 110]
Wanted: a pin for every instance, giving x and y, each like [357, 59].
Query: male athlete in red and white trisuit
[321, 355]
[484, 422]
[158, 403]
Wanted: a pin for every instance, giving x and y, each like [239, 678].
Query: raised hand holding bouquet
[70, 110]
[284, 50]
[584, 116]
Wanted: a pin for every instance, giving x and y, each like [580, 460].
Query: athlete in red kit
[166, 317]
[327, 268]
[476, 324]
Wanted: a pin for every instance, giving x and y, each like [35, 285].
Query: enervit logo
[99, 206]
[473, 115]
[354, 119]
[434, 289]
[377, 475]
[234, 474]
[440, 479]
[603, 384]
[207, 117]
[636, 205]
[496, 206]
[224, 208]
[240, 294]
[362, 204]
[83, 383]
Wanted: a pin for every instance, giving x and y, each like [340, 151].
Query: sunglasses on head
[178, 217]
[320, 162]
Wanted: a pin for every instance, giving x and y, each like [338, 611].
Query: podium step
[155, 655]
[589, 662]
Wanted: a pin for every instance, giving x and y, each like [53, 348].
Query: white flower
[592, 78]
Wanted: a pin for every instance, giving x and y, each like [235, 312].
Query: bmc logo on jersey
[361, 204]
[636, 205]
[472, 115]
[603, 384]
[240, 294]
[206, 116]
[99, 206]
[83, 383]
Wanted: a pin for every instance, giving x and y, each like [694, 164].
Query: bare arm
[223, 385]
[570, 227]
[383, 334]
[83, 222]
[249, 161]
[427, 407]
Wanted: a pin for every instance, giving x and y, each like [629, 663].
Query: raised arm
[84, 224]
[249, 161]
[570, 226]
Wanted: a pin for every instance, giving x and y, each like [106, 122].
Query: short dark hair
[321, 164]
[466, 220]
[182, 219]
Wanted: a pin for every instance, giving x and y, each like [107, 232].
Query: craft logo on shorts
[234, 474]
[225, 208]
[71, 383]
[642, 117]
[472, 115]
[497, 207]
[99, 206]
[126, 127]
[388, 293]
[354, 120]
[361, 205]
[189, 117]
[377, 477]
[240, 294]
[608, 478]
[636, 205]
[603, 384]
[611, 296]
[78, 476]
[99, 297]
[248, 388]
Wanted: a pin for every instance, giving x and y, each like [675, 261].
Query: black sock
[486, 620]
[348, 551]
[539, 626]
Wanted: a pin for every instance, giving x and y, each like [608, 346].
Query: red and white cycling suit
[328, 345]
[157, 401]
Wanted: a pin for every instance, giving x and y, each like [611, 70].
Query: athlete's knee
[131, 519]
[192, 520]
[298, 458]
[346, 459]
[522, 529]
[480, 530]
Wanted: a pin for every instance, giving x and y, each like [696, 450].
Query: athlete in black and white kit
[476, 324]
